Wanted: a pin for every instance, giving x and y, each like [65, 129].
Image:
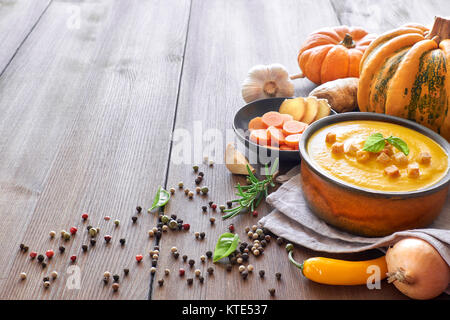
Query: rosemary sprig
[251, 195]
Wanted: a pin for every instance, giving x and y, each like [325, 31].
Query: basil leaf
[161, 198]
[226, 244]
[375, 143]
[399, 144]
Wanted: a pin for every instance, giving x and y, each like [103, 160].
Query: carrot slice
[260, 136]
[286, 117]
[256, 123]
[287, 148]
[272, 118]
[294, 127]
[276, 135]
[292, 140]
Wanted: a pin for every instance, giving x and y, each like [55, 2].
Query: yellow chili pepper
[339, 272]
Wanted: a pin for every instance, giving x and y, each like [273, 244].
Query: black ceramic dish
[255, 152]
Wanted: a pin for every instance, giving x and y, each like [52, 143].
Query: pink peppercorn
[181, 272]
[255, 213]
[231, 228]
[107, 218]
[214, 206]
[73, 258]
[186, 226]
[50, 253]
[33, 254]
[139, 258]
[84, 216]
[108, 238]
[73, 230]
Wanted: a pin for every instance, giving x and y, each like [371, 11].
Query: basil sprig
[161, 198]
[376, 142]
[226, 245]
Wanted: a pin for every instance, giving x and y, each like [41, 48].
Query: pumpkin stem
[401, 276]
[441, 29]
[270, 88]
[348, 41]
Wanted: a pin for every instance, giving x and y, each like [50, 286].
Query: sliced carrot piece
[294, 127]
[272, 118]
[292, 140]
[256, 123]
[286, 117]
[260, 136]
[276, 135]
[287, 148]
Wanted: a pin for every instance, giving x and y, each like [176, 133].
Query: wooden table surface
[90, 94]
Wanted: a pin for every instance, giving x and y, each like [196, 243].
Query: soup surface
[342, 156]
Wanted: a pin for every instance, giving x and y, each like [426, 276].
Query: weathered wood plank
[17, 19]
[226, 38]
[86, 120]
[380, 16]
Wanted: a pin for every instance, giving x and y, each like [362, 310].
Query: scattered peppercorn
[84, 247]
[272, 292]
[107, 238]
[116, 278]
[191, 262]
[195, 167]
[73, 230]
[244, 274]
[209, 254]
[186, 191]
[197, 273]
[201, 279]
[25, 249]
[139, 257]
[23, 276]
[62, 249]
[115, 287]
[173, 224]
[229, 204]
[116, 222]
[210, 203]
[52, 234]
[205, 190]
[176, 255]
[201, 174]
[231, 227]
[33, 254]
[46, 284]
[73, 258]
[190, 281]
[154, 263]
[202, 235]
[181, 272]
[134, 219]
[204, 208]
[197, 234]
[262, 273]
[185, 258]
[21, 246]
[161, 282]
[255, 213]
[278, 276]
[279, 241]
[172, 190]
[152, 270]
[49, 254]
[54, 275]
[210, 270]
[139, 209]
[66, 236]
[126, 271]
[93, 242]
[44, 265]
[92, 232]
[214, 206]
[46, 279]
[186, 226]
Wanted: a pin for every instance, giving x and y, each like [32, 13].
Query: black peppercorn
[245, 256]
[40, 258]
[25, 248]
[272, 292]
[105, 280]
[180, 226]
[204, 208]
[154, 263]
[201, 174]
[174, 217]
[201, 279]
[122, 241]
[279, 241]
[134, 219]
[116, 278]
[190, 281]
[46, 279]
[84, 247]
[198, 181]
[210, 203]
[202, 235]
[180, 221]
[156, 248]
[93, 242]
[278, 276]
[62, 249]
[161, 282]
[139, 209]
[244, 274]
[263, 243]
[21, 246]
[262, 273]
[176, 255]
[44, 265]
[191, 262]
[229, 204]
[126, 271]
[89, 228]
[185, 258]
[209, 254]
[210, 270]
[158, 234]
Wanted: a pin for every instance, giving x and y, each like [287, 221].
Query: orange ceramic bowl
[366, 212]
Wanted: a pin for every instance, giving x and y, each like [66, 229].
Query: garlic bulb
[267, 82]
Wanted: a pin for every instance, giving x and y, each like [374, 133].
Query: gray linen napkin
[294, 221]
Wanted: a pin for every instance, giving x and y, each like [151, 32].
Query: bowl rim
[351, 116]
[238, 132]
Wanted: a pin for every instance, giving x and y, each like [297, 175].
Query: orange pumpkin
[333, 53]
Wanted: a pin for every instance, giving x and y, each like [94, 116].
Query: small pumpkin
[404, 73]
[333, 53]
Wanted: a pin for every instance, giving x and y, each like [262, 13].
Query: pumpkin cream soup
[378, 155]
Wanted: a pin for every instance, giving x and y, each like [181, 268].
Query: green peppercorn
[204, 190]
[116, 223]
[195, 168]
[66, 236]
[165, 219]
[92, 232]
[173, 224]
[222, 208]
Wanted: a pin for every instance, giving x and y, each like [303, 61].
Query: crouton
[392, 171]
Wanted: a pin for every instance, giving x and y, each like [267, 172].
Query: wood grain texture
[225, 39]
[384, 15]
[86, 120]
[17, 19]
